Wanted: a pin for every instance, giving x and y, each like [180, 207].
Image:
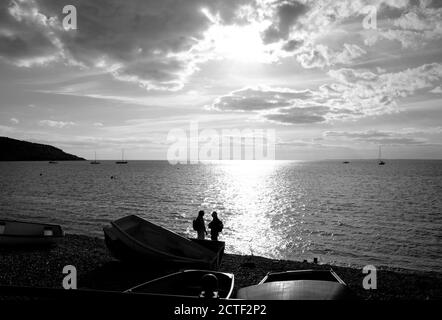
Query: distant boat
[134, 239]
[22, 233]
[122, 161]
[95, 159]
[53, 162]
[346, 162]
[381, 162]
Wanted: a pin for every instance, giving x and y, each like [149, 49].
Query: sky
[333, 79]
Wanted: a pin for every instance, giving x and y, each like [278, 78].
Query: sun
[236, 42]
[241, 43]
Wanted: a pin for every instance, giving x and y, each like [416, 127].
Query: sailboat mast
[380, 161]
[122, 161]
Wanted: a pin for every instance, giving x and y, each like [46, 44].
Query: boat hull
[298, 285]
[158, 246]
[21, 233]
[28, 241]
[296, 290]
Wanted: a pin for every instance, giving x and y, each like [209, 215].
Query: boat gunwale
[150, 248]
[30, 222]
[229, 275]
[59, 293]
[241, 291]
[58, 232]
[31, 236]
[331, 271]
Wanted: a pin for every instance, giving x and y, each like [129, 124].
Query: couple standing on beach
[215, 226]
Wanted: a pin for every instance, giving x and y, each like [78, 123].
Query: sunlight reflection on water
[247, 190]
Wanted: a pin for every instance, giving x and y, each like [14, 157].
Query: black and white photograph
[217, 155]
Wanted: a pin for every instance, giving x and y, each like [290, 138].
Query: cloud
[158, 45]
[375, 94]
[304, 31]
[56, 124]
[292, 45]
[354, 93]
[399, 84]
[281, 105]
[436, 90]
[26, 38]
[104, 142]
[260, 98]
[145, 42]
[14, 120]
[414, 28]
[296, 115]
[6, 129]
[317, 34]
[293, 143]
[286, 14]
[98, 124]
[377, 137]
[320, 56]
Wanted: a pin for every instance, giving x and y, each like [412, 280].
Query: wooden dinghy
[22, 233]
[187, 283]
[134, 239]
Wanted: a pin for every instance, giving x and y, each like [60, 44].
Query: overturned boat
[188, 283]
[134, 239]
[298, 285]
[23, 233]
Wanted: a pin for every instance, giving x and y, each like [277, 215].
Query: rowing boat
[135, 239]
[23, 233]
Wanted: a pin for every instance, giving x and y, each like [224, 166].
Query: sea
[353, 214]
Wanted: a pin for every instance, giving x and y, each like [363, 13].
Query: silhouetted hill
[17, 150]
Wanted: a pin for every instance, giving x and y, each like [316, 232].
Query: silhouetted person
[215, 226]
[200, 226]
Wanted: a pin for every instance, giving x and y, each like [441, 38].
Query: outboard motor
[209, 284]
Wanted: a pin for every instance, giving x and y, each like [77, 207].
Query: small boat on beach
[21, 233]
[187, 283]
[298, 285]
[134, 239]
[53, 162]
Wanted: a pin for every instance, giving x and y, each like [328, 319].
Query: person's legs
[200, 235]
[214, 236]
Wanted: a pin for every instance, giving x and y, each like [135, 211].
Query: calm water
[354, 214]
